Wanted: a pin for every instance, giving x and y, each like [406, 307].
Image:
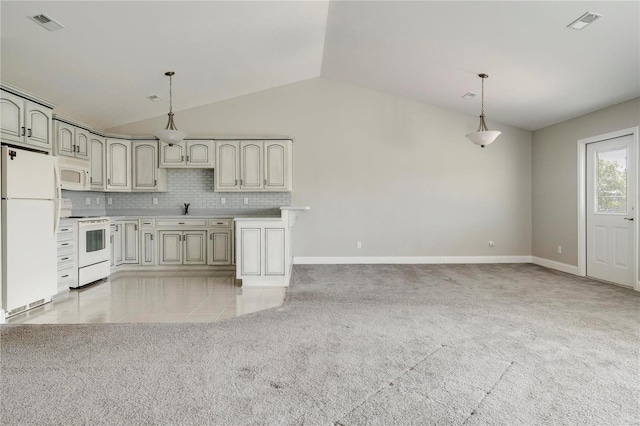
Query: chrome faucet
[186, 208]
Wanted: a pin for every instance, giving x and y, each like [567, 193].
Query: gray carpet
[353, 345]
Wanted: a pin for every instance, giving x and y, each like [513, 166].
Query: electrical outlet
[490, 243]
[87, 201]
[223, 200]
[246, 200]
[97, 200]
[109, 200]
[559, 249]
[359, 244]
[155, 200]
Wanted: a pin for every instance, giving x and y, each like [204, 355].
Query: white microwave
[74, 174]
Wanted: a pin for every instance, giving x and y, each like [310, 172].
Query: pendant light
[170, 134]
[483, 136]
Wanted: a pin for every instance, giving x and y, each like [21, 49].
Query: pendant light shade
[170, 134]
[483, 136]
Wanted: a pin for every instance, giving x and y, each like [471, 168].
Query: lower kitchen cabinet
[67, 265]
[182, 247]
[148, 247]
[261, 251]
[130, 242]
[220, 252]
[116, 244]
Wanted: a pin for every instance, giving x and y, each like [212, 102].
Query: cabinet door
[220, 247]
[227, 170]
[38, 123]
[145, 165]
[112, 246]
[170, 247]
[250, 258]
[277, 166]
[11, 118]
[251, 166]
[96, 154]
[195, 247]
[148, 246]
[119, 259]
[118, 164]
[82, 144]
[274, 255]
[65, 139]
[172, 155]
[200, 154]
[130, 242]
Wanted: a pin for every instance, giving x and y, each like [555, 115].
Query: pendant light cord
[171, 93]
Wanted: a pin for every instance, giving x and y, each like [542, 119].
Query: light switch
[246, 200]
[155, 200]
[87, 201]
[109, 200]
[223, 200]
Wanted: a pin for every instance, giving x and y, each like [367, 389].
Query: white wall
[555, 177]
[395, 174]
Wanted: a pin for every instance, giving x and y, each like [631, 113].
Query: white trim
[552, 264]
[582, 214]
[376, 260]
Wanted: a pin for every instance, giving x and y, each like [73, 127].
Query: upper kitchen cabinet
[97, 149]
[146, 174]
[118, 165]
[24, 122]
[187, 154]
[253, 166]
[71, 141]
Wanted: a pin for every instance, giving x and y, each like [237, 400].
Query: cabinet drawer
[65, 244]
[67, 275]
[65, 229]
[181, 222]
[215, 223]
[65, 260]
[147, 223]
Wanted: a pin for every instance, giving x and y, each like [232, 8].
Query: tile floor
[155, 297]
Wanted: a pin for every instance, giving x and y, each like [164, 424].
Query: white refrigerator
[30, 194]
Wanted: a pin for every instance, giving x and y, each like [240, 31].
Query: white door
[276, 168]
[97, 163]
[195, 247]
[251, 166]
[145, 165]
[610, 197]
[38, 124]
[170, 247]
[130, 242]
[227, 170]
[11, 118]
[65, 144]
[200, 153]
[82, 144]
[118, 164]
[172, 155]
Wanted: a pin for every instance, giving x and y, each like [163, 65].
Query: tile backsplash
[183, 186]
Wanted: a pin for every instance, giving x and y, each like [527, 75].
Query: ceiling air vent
[584, 20]
[46, 22]
[469, 95]
[154, 98]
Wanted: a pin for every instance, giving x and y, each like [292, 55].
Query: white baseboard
[563, 267]
[417, 260]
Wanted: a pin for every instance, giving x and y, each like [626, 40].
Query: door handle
[23, 131]
[630, 219]
[30, 132]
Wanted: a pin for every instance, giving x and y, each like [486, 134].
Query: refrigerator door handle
[58, 201]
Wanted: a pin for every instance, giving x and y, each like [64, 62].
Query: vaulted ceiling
[111, 55]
